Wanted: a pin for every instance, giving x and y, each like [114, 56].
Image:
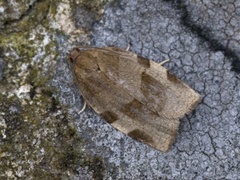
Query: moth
[135, 95]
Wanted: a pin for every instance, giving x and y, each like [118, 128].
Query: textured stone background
[41, 134]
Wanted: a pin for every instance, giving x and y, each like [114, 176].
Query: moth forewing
[135, 95]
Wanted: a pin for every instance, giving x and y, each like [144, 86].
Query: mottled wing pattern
[137, 96]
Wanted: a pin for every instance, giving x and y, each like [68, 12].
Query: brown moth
[135, 95]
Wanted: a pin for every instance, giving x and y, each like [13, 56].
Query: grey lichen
[40, 141]
[38, 138]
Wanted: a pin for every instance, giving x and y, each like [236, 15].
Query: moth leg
[128, 47]
[163, 62]
[83, 108]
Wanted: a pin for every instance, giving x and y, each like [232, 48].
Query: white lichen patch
[63, 21]
[42, 55]
[2, 9]
[23, 70]
[46, 40]
[23, 91]
[63, 18]
[3, 127]
[9, 173]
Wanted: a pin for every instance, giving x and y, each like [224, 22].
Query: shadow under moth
[135, 95]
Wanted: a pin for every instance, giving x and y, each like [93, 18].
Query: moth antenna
[128, 46]
[83, 108]
[163, 62]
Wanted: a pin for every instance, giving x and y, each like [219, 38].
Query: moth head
[72, 56]
[84, 59]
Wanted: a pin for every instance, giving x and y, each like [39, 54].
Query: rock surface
[41, 134]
